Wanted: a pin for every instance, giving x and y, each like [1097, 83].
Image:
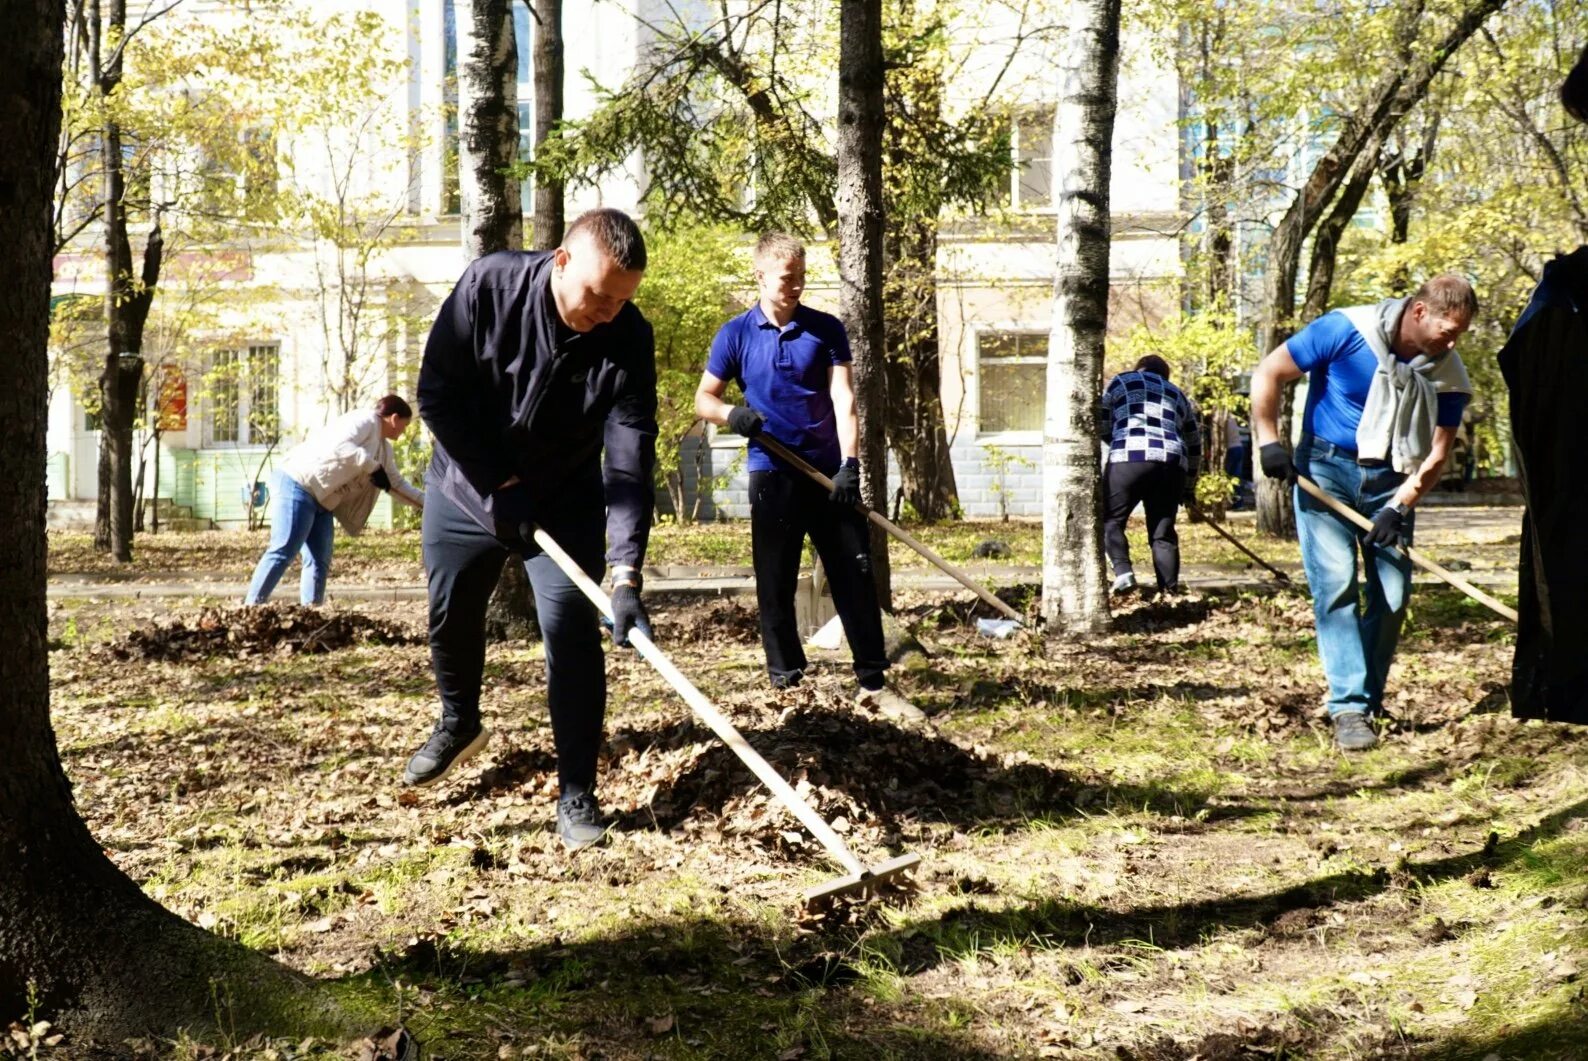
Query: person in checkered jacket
[1154, 451]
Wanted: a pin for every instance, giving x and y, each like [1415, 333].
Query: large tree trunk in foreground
[1074, 588]
[859, 204]
[104, 961]
[1397, 91]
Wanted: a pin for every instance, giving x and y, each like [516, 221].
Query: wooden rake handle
[1413, 555]
[709, 714]
[1233, 540]
[882, 521]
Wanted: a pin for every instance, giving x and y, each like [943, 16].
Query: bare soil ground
[1140, 845]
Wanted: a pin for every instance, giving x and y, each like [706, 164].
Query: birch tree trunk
[548, 74]
[105, 961]
[493, 215]
[859, 204]
[1074, 588]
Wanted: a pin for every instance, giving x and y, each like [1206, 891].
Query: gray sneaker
[1353, 732]
[1124, 583]
[579, 821]
[442, 753]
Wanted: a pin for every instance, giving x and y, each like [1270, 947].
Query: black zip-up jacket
[507, 389]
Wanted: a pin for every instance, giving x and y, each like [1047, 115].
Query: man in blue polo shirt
[1385, 394]
[793, 365]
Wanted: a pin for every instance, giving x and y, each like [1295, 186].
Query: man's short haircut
[615, 233]
[1154, 364]
[779, 247]
[1448, 295]
[393, 404]
[1574, 90]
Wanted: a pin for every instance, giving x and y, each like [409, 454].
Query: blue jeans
[1355, 642]
[297, 522]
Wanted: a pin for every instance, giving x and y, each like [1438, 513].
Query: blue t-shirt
[1341, 366]
[785, 376]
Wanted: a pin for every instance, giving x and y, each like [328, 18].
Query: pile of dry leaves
[255, 631]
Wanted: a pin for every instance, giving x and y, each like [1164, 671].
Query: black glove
[1188, 494]
[628, 613]
[513, 517]
[381, 479]
[1388, 527]
[846, 484]
[1276, 462]
[743, 420]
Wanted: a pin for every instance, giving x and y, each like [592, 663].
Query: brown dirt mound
[734, 620]
[871, 778]
[257, 631]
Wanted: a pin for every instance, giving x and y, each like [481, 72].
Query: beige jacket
[335, 463]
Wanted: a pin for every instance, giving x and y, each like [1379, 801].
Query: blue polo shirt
[1340, 367]
[785, 376]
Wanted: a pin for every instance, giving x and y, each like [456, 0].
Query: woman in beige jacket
[333, 475]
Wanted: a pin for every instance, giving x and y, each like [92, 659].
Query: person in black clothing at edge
[793, 365]
[537, 364]
[1545, 364]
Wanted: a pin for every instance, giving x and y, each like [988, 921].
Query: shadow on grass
[1558, 1037]
[1057, 922]
[711, 988]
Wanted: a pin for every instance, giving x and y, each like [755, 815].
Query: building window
[524, 38]
[451, 194]
[1032, 178]
[244, 396]
[1012, 380]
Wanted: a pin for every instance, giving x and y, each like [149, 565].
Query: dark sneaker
[443, 752]
[1352, 732]
[579, 821]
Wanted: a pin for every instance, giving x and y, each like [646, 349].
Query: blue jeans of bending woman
[297, 524]
[1356, 636]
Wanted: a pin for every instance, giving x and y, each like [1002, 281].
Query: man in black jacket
[537, 363]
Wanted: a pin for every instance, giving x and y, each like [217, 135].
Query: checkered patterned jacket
[1147, 418]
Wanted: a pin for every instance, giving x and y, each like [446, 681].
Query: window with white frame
[1011, 376]
[524, 38]
[1032, 142]
[451, 192]
[244, 396]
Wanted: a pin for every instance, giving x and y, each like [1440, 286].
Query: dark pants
[463, 562]
[784, 508]
[1157, 485]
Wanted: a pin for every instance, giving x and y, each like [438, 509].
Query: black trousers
[1157, 485]
[463, 562]
[785, 507]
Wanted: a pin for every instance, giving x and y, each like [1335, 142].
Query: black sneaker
[444, 751]
[1352, 732]
[579, 821]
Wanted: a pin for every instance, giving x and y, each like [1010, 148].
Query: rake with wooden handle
[1233, 540]
[882, 521]
[858, 877]
[1413, 555]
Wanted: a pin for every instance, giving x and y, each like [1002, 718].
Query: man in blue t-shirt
[1385, 395]
[793, 365]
